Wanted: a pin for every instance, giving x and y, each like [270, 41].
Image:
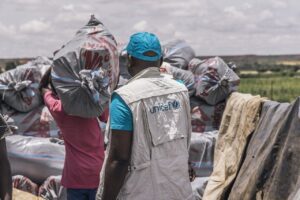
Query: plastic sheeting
[185, 76]
[25, 184]
[178, 53]
[271, 170]
[86, 70]
[35, 158]
[201, 152]
[37, 122]
[205, 117]
[239, 120]
[198, 186]
[214, 80]
[4, 128]
[52, 189]
[124, 74]
[19, 87]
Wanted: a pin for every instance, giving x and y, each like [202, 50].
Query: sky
[30, 28]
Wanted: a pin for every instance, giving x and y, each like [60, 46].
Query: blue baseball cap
[143, 42]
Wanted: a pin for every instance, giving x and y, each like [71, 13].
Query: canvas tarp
[86, 70]
[238, 122]
[271, 169]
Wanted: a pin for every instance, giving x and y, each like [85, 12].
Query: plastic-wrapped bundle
[25, 184]
[185, 76]
[198, 186]
[214, 80]
[38, 122]
[124, 74]
[52, 189]
[201, 153]
[19, 87]
[35, 158]
[205, 117]
[86, 70]
[4, 128]
[178, 53]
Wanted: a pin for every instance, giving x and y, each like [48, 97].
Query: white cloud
[25, 1]
[35, 26]
[266, 14]
[7, 31]
[247, 5]
[69, 7]
[232, 12]
[73, 17]
[278, 4]
[140, 26]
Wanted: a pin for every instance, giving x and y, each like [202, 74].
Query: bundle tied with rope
[86, 70]
[214, 79]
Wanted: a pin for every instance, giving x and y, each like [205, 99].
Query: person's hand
[45, 80]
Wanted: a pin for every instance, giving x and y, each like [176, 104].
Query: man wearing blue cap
[147, 155]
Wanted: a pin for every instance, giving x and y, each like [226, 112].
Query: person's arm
[117, 163]
[118, 159]
[5, 174]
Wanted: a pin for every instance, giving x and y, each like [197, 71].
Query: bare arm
[5, 174]
[117, 163]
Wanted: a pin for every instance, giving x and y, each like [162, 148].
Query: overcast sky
[223, 27]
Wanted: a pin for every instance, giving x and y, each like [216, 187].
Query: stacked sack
[21, 101]
[85, 71]
[209, 83]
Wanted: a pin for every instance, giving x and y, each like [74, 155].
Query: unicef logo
[162, 107]
[176, 104]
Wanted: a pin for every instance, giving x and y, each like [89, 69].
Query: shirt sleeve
[120, 114]
[52, 102]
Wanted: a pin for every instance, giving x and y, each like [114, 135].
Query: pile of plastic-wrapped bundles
[84, 77]
[210, 82]
[33, 155]
[84, 71]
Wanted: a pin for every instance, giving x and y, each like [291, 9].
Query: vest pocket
[166, 118]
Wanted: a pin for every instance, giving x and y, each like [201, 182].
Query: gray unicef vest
[161, 137]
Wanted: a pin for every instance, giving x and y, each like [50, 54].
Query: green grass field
[282, 89]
